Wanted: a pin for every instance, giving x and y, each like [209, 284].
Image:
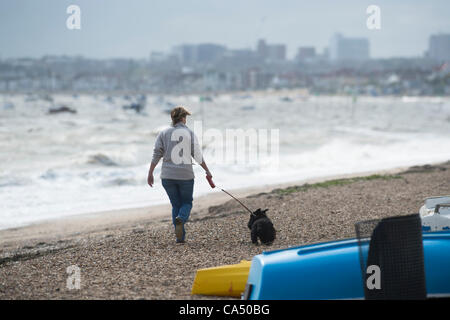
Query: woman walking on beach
[177, 146]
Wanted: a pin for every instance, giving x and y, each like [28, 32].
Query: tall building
[306, 54]
[157, 56]
[186, 53]
[342, 48]
[241, 53]
[276, 52]
[271, 52]
[261, 48]
[201, 53]
[439, 47]
[209, 52]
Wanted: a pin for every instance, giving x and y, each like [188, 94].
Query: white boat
[435, 214]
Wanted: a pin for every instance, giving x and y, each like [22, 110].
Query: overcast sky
[133, 28]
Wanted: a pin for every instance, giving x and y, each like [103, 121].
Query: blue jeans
[180, 195]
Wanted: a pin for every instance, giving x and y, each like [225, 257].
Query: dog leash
[211, 183]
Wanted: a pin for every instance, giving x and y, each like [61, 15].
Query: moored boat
[332, 270]
[227, 280]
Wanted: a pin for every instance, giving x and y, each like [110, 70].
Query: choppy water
[97, 159]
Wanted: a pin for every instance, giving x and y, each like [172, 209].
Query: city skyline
[118, 29]
[322, 54]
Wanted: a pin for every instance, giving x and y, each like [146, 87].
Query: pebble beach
[140, 259]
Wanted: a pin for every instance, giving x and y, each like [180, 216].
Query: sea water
[97, 159]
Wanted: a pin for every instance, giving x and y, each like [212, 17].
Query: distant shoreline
[303, 92]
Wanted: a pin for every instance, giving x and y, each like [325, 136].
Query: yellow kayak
[228, 280]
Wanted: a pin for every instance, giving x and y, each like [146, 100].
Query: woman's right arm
[158, 152]
[150, 179]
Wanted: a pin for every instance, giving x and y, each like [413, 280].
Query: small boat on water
[61, 109]
[286, 99]
[137, 107]
[332, 270]
[8, 106]
[228, 280]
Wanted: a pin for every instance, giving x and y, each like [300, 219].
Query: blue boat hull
[332, 270]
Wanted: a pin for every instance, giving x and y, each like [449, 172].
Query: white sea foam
[97, 159]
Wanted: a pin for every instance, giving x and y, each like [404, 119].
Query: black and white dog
[261, 227]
